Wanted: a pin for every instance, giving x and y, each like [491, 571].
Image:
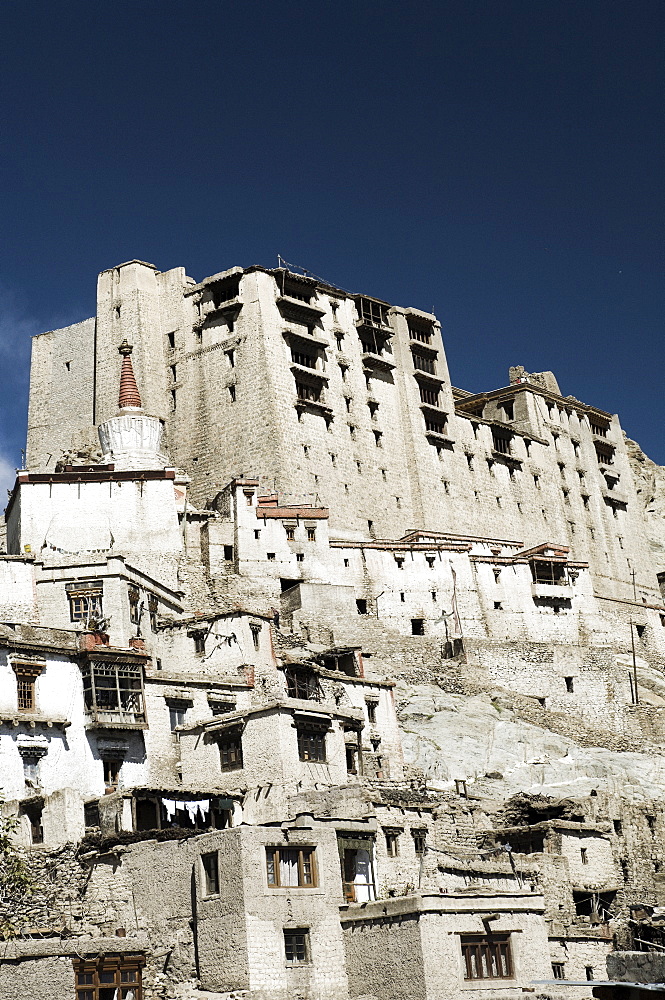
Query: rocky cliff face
[650, 483]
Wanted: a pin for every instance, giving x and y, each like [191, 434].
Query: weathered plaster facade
[319, 677]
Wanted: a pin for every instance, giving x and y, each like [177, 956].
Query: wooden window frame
[90, 976]
[210, 873]
[311, 744]
[392, 842]
[293, 944]
[486, 948]
[230, 751]
[27, 673]
[307, 868]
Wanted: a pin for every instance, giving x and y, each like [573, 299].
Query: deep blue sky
[500, 161]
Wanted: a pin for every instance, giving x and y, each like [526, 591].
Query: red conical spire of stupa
[129, 392]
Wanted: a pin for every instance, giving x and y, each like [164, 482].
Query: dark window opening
[91, 815]
[420, 333]
[361, 606]
[508, 410]
[112, 774]
[303, 359]
[296, 946]
[153, 608]
[351, 759]
[222, 707]
[589, 972]
[570, 684]
[419, 841]
[296, 289]
[256, 636]
[230, 752]
[423, 363]
[501, 441]
[224, 290]
[210, 866]
[307, 392]
[134, 605]
[435, 426]
[371, 710]
[33, 810]
[345, 662]
[311, 744]
[558, 970]
[486, 957]
[618, 827]
[428, 395]
[392, 843]
[302, 683]
[596, 905]
[527, 843]
[199, 642]
[170, 338]
[546, 571]
[417, 626]
[232, 393]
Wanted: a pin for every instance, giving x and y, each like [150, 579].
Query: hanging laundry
[170, 805]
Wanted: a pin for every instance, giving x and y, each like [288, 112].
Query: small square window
[558, 970]
[311, 744]
[311, 534]
[417, 626]
[300, 556]
[270, 556]
[290, 533]
[296, 946]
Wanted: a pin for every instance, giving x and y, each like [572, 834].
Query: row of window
[296, 867]
[311, 742]
[86, 603]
